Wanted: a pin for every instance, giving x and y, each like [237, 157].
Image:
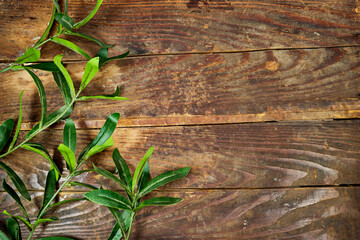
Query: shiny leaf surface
[19, 184]
[5, 132]
[108, 198]
[164, 178]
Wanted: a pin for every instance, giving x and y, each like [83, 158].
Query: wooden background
[259, 97]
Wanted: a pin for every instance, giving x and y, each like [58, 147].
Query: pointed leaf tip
[91, 68]
[105, 133]
[140, 168]
[88, 17]
[57, 61]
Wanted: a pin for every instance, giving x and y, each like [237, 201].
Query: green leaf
[105, 133]
[116, 233]
[31, 55]
[69, 134]
[3, 236]
[66, 21]
[122, 219]
[164, 178]
[27, 224]
[55, 238]
[99, 148]
[71, 46]
[84, 98]
[67, 201]
[43, 220]
[102, 53]
[49, 192]
[14, 195]
[139, 169]
[18, 123]
[103, 56]
[69, 157]
[121, 56]
[145, 176]
[110, 176]
[114, 96]
[19, 184]
[42, 95]
[61, 111]
[83, 185]
[108, 198]
[92, 13]
[91, 68]
[57, 61]
[41, 150]
[158, 201]
[13, 228]
[122, 167]
[82, 35]
[63, 86]
[46, 66]
[5, 132]
[77, 173]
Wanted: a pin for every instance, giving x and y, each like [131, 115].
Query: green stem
[48, 124]
[47, 40]
[44, 209]
[7, 68]
[47, 30]
[31, 233]
[129, 230]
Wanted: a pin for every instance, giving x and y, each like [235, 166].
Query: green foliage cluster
[123, 208]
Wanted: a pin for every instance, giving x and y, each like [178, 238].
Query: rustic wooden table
[259, 97]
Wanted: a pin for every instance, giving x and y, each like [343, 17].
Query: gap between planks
[353, 113]
[343, 186]
[210, 52]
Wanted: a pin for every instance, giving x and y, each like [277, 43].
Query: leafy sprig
[123, 208]
[66, 26]
[50, 193]
[136, 187]
[65, 83]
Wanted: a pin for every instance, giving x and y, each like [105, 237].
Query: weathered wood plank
[209, 88]
[157, 26]
[220, 156]
[303, 213]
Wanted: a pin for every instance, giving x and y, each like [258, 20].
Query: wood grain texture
[220, 156]
[196, 63]
[206, 88]
[177, 26]
[303, 213]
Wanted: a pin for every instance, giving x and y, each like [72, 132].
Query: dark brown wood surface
[221, 156]
[207, 88]
[259, 98]
[299, 213]
[157, 26]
